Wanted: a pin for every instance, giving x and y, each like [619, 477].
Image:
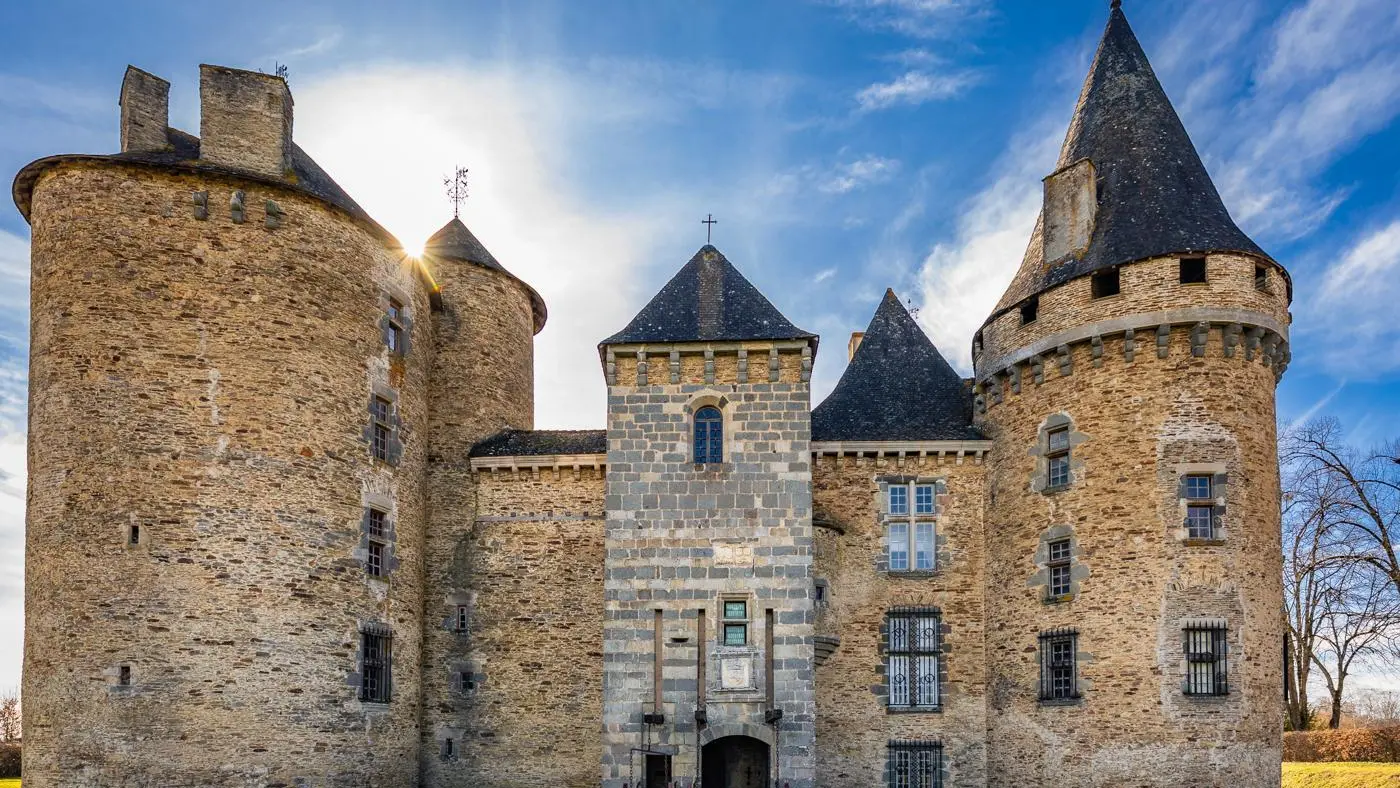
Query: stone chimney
[245, 120]
[854, 345]
[145, 103]
[1071, 202]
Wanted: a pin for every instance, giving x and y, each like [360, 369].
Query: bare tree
[1360, 613]
[9, 717]
[1378, 707]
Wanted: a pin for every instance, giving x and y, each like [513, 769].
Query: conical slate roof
[455, 242]
[896, 388]
[1155, 196]
[707, 300]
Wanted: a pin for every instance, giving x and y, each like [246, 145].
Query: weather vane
[709, 221]
[913, 310]
[456, 185]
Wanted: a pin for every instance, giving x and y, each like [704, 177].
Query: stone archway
[735, 762]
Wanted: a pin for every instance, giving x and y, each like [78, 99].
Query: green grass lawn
[1330, 775]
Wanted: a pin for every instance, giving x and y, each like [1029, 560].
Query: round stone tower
[1127, 380]
[228, 430]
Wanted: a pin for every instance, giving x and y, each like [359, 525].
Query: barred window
[1206, 674]
[1057, 458]
[380, 410]
[912, 655]
[1059, 678]
[910, 536]
[1059, 561]
[709, 435]
[375, 649]
[915, 764]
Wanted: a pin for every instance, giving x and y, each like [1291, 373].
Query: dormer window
[709, 435]
[1105, 283]
[1030, 309]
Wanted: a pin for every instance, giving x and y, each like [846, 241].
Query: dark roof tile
[525, 443]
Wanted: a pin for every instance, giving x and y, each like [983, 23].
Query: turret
[228, 400]
[1127, 380]
[708, 618]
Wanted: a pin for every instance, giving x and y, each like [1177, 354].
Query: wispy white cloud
[859, 173]
[914, 18]
[1317, 407]
[14, 277]
[1355, 305]
[914, 87]
[1324, 36]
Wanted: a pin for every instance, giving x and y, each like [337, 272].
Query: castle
[290, 523]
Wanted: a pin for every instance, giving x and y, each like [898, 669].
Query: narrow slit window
[1105, 283]
[1030, 310]
[460, 622]
[449, 749]
[394, 326]
[709, 435]
[1193, 270]
[133, 535]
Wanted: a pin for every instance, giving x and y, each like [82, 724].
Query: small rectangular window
[380, 411]
[449, 749]
[914, 648]
[375, 650]
[736, 634]
[1205, 661]
[124, 675]
[465, 682]
[1030, 310]
[1198, 488]
[1059, 563]
[1200, 522]
[1261, 277]
[461, 619]
[914, 764]
[899, 547]
[375, 523]
[923, 547]
[374, 559]
[1058, 675]
[1105, 283]
[1193, 270]
[899, 499]
[735, 622]
[1057, 457]
[923, 499]
[394, 326]
[133, 535]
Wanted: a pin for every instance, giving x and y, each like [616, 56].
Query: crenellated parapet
[708, 363]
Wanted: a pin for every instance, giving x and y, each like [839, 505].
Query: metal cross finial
[456, 184]
[709, 221]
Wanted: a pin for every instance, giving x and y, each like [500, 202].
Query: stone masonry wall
[532, 570]
[854, 725]
[682, 537]
[208, 381]
[1136, 427]
[482, 381]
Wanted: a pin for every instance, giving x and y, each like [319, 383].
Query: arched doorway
[735, 762]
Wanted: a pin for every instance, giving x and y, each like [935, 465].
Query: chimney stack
[854, 345]
[245, 120]
[145, 103]
[1071, 203]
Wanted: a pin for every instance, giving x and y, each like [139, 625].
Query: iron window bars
[913, 651]
[709, 435]
[1206, 669]
[375, 648]
[1059, 677]
[915, 764]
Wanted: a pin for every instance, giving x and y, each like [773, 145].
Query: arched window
[709, 435]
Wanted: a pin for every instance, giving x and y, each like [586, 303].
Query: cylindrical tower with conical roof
[228, 408]
[1127, 380]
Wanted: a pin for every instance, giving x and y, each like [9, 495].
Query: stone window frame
[940, 654]
[912, 519]
[383, 636]
[394, 443]
[387, 539]
[724, 620]
[1193, 632]
[1078, 570]
[934, 747]
[721, 403]
[1040, 478]
[389, 325]
[449, 750]
[1220, 492]
[1046, 693]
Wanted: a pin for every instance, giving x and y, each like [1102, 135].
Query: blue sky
[845, 146]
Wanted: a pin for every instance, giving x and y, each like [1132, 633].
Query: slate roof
[183, 153]
[1155, 196]
[708, 299]
[455, 242]
[519, 443]
[898, 387]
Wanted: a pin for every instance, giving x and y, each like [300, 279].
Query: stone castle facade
[290, 523]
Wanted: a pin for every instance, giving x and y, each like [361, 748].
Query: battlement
[709, 363]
